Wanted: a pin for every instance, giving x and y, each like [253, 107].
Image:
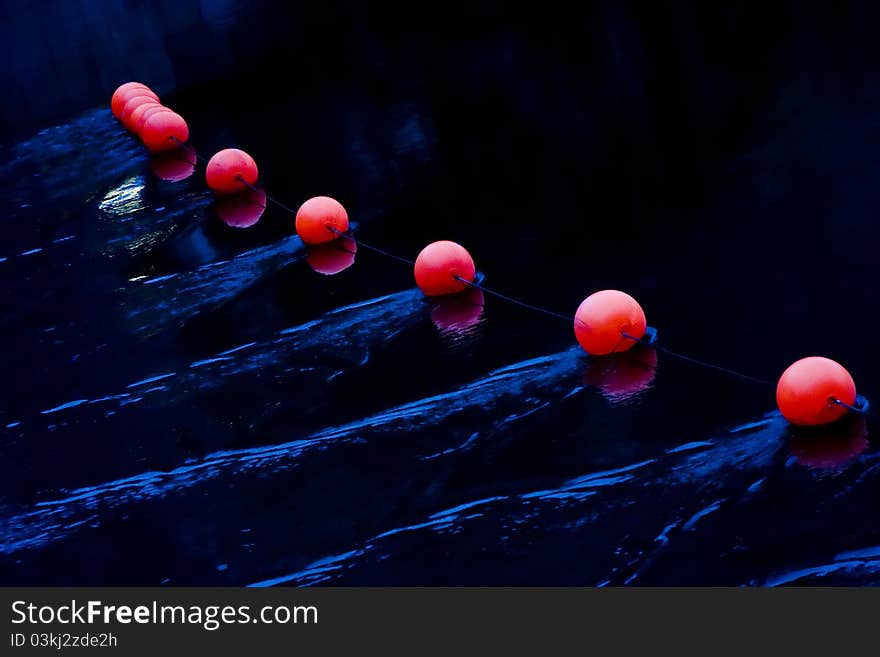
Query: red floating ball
[164, 131]
[332, 258]
[241, 210]
[126, 91]
[131, 105]
[174, 166]
[141, 114]
[603, 318]
[806, 391]
[439, 264]
[231, 170]
[317, 216]
[135, 116]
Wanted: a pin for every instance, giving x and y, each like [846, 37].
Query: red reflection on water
[241, 210]
[622, 376]
[332, 257]
[174, 166]
[831, 447]
[455, 313]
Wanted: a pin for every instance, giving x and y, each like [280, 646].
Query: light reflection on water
[124, 199]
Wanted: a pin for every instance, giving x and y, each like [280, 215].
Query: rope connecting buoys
[812, 391]
[441, 266]
[609, 321]
[231, 170]
[321, 219]
[126, 91]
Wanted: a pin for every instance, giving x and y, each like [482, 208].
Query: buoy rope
[290, 210]
[370, 247]
[652, 342]
[529, 306]
[271, 199]
[703, 363]
[513, 300]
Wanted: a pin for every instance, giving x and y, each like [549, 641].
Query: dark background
[717, 162]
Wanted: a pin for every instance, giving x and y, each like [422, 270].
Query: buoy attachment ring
[650, 336]
[861, 405]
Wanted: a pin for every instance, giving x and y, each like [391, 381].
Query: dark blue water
[189, 403]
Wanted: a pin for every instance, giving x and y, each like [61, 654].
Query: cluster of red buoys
[812, 391]
[139, 109]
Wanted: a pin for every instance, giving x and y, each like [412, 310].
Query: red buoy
[131, 105]
[317, 216]
[806, 391]
[164, 131]
[134, 117]
[141, 114]
[231, 170]
[332, 258]
[126, 91]
[438, 265]
[603, 318]
[174, 166]
[241, 210]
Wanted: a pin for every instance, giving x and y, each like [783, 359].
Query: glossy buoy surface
[126, 91]
[806, 391]
[136, 117]
[141, 114]
[604, 319]
[231, 170]
[131, 105]
[439, 267]
[317, 216]
[164, 131]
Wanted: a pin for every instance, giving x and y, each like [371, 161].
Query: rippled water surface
[187, 402]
